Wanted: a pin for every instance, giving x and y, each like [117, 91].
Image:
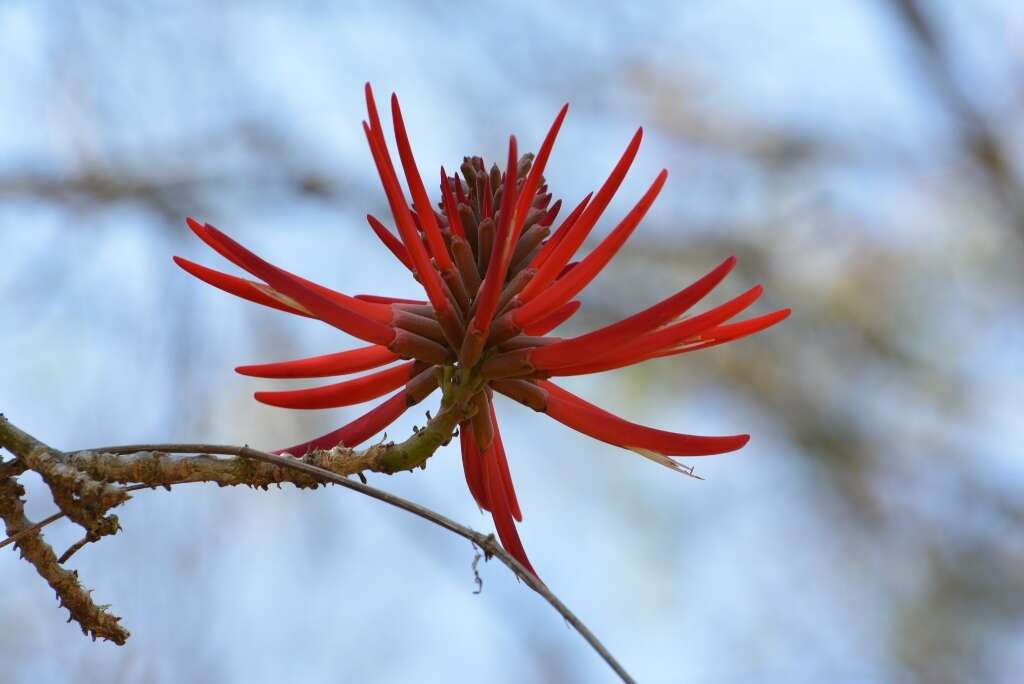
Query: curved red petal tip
[420, 198]
[338, 363]
[575, 350]
[338, 310]
[553, 242]
[570, 283]
[533, 179]
[501, 512]
[582, 416]
[501, 252]
[575, 237]
[472, 465]
[393, 244]
[240, 287]
[665, 338]
[506, 473]
[338, 394]
[554, 319]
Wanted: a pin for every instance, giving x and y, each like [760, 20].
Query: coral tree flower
[498, 277]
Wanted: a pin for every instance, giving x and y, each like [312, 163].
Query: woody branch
[84, 485]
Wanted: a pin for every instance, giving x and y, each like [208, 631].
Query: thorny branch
[83, 484]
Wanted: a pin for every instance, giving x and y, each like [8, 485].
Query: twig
[125, 463]
[60, 514]
[29, 530]
[94, 619]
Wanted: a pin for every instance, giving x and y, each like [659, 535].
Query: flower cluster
[498, 278]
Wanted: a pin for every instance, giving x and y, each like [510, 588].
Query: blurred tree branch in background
[981, 141]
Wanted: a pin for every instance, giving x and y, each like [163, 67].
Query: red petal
[424, 209]
[451, 207]
[570, 284]
[500, 511]
[571, 351]
[497, 268]
[472, 465]
[346, 393]
[583, 416]
[390, 241]
[529, 189]
[506, 474]
[356, 432]
[215, 239]
[400, 210]
[380, 299]
[559, 234]
[646, 346]
[553, 320]
[246, 289]
[732, 331]
[340, 363]
[488, 210]
[552, 214]
[341, 314]
[582, 227]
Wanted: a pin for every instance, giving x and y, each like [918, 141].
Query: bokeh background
[861, 158]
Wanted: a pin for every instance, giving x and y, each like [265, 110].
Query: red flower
[497, 282]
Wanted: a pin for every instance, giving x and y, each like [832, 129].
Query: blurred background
[861, 158]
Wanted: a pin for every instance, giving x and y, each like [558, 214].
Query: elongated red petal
[215, 239]
[346, 393]
[400, 210]
[553, 320]
[570, 284]
[645, 346]
[582, 227]
[497, 268]
[451, 207]
[380, 299]
[503, 469]
[339, 363]
[373, 421]
[488, 210]
[533, 179]
[358, 431]
[570, 351]
[424, 209]
[733, 331]
[473, 465]
[246, 289]
[328, 310]
[552, 214]
[501, 511]
[390, 241]
[584, 417]
[727, 333]
[559, 234]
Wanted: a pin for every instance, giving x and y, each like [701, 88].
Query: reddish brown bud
[523, 391]
[409, 345]
[508, 365]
